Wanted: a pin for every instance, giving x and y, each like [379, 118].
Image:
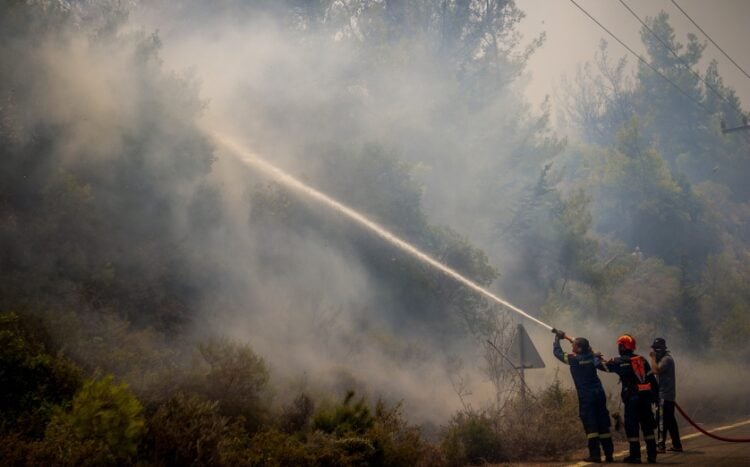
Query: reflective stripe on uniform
[633, 440]
[649, 437]
[565, 359]
[592, 435]
[605, 435]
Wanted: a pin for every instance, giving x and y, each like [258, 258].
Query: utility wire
[709, 38]
[642, 60]
[668, 47]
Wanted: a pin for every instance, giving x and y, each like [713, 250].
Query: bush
[351, 433]
[345, 418]
[545, 426]
[473, 438]
[267, 448]
[396, 443]
[103, 426]
[186, 430]
[32, 382]
[296, 417]
[236, 378]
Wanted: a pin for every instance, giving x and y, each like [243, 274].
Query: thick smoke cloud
[297, 93]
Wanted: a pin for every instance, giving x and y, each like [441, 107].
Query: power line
[709, 38]
[668, 47]
[642, 60]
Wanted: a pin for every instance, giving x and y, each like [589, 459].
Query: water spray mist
[282, 177]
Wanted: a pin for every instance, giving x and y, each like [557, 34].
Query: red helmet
[626, 342]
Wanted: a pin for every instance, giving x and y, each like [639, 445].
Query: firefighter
[592, 402]
[638, 386]
[663, 365]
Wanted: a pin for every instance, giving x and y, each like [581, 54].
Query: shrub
[103, 426]
[345, 418]
[32, 382]
[396, 443]
[296, 417]
[471, 438]
[236, 378]
[186, 430]
[270, 448]
[544, 426]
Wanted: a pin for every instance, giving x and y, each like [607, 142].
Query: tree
[33, 381]
[103, 426]
[236, 377]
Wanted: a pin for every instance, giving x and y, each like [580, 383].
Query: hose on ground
[710, 435]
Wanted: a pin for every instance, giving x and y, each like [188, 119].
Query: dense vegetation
[138, 280]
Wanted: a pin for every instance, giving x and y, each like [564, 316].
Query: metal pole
[522, 362]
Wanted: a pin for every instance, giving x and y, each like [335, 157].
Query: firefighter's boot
[635, 453]
[651, 450]
[608, 448]
[594, 453]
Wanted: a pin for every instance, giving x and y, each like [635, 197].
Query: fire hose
[710, 435]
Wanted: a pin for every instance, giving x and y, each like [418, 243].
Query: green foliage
[187, 430]
[725, 299]
[297, 416]
[236, 377]
[663, 177]
[537, 427]
[32, 381]
[472, 438]
[269, 448]
[345, 418]
[548, 429]
[553, 233]
[396, 442]
[103, 426]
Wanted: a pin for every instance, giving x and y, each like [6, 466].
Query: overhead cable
[641, 59]
[668, 47]
[709, 38]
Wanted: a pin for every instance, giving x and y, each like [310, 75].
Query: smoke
[295, 95]
[313, 89]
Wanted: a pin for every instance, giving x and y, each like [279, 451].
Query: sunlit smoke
[291, 182]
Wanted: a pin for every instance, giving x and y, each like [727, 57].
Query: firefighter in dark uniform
[638, 387]
[592, 402]
[663, 366]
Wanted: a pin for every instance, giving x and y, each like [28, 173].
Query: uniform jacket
[635, 376]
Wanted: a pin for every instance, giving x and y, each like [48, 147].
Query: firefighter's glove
[559, 334]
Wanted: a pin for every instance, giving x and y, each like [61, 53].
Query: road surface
[701, 450]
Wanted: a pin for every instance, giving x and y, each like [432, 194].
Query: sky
[572, 38]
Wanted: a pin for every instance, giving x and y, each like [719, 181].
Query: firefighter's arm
[599, 361]
[603, 365]
[558, 351]
[654, 364]
[651, 372]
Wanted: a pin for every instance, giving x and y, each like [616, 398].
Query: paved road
[701, 450]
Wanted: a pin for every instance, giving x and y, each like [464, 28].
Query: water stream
[289, 181]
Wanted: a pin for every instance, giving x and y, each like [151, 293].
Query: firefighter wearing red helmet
[638, 387]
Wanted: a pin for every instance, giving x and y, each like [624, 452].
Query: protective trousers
[592, 408]
[668, 423]
[638, 414]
